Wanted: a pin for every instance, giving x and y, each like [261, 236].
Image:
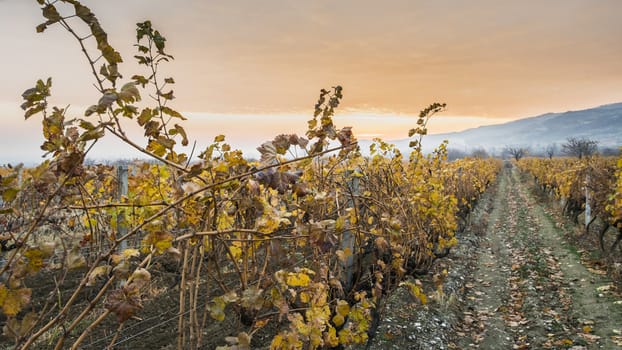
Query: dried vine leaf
[129, 93]
[13, 300]
[99, 271]
[158, 241]
[268, 152]
[35, 259]
[75, 259]
[140, 278]
[15, 328]
[124, 302]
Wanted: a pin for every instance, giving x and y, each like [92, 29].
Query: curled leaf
[268, 152]
[129, 93]
[75, 259]
[124, 303]
[107, 99]
[140, 278]
[99, 271]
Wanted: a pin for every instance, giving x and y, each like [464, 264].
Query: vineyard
[212, 250]
[291, 251]
[589, 187]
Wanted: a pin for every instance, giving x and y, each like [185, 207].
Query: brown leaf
[15, 328]
[124, 303]
[268, 152]
[74, 259]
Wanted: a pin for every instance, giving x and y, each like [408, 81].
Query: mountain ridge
[602, 124]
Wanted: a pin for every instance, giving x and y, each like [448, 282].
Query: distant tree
[579, 147]
[479, 153]
[550, 150]
[454, 153]
[609, 151]
[516, 152]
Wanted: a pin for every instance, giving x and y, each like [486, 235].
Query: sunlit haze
[253, 69]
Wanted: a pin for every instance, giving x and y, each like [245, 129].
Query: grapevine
[308, 245]
[570, 179]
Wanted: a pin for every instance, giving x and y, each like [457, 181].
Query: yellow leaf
[224, 221]
[3, 293]
[221, 168]
[416, 291]
[268, 223]
[217, 308]
[338, 320]
[97, 272]
[340, 224]
[345, 335]
[35, 259]
[298, 279]
[277, 342]
[261, 323]
[131, 252]
[343, 308]
[235, 251]
[315, 338]
[13, 300]
[330, 337]
[158, 241]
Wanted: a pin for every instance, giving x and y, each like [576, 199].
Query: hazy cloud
[485, 58]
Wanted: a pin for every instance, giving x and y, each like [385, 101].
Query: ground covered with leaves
[518, 280]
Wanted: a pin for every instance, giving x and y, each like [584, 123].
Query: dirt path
[529, 289]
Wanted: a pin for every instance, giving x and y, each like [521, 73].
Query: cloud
[483, 58]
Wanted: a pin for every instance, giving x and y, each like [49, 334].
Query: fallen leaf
[589, 337]
[604, 288]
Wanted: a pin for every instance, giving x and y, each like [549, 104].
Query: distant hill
[603, 124]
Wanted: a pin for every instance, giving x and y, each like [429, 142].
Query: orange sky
[489, 60]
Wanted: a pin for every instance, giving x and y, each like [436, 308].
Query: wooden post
[588, 210]
[122, 178]
[20, 177]
[347, 240]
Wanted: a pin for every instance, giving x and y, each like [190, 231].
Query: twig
[89, 329]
